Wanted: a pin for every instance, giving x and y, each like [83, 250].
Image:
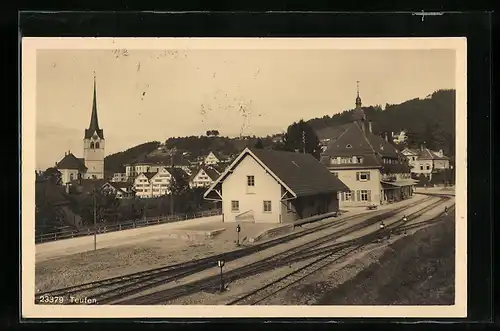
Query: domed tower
[93, 144]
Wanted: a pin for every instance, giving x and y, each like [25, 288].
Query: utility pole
[95, 219]
[303, 142]
[172, 153]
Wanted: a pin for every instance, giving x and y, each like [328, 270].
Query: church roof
[69, 161]
[94, 122]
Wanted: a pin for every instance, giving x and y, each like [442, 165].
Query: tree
[259, 144]
[106, 207]
[301, 137]
[53, 175]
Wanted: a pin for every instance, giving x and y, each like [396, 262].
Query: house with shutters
[373, 169]
[268, 186]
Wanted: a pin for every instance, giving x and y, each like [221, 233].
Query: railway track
[325, 259]
[126, 285]
[292, 255]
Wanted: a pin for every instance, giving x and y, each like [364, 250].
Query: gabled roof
[53, 195]
[300, 174]
[120, 186]
[69, 161]
[148, 175]
[427, 154]
[87, 185]
[177, 173]
[330, 132]
[212, 173]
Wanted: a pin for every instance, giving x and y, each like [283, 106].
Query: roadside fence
[89, 231]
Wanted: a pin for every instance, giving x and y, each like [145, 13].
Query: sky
[147, 95]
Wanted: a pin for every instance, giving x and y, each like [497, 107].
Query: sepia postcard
[245, 177]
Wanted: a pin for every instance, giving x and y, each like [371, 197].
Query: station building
[268, 186]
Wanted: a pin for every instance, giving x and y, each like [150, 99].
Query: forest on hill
[429, 122]
[116, 162]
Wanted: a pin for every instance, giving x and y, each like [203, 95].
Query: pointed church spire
[94, 122]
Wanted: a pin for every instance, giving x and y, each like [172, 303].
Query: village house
[425, 161]
[120, 189]
[155, 184]
[399, 137]
[119, 177]
[203, 177]
[368, 164]
[178, 162]
[268, 186]
[214, 158]
[92, 164]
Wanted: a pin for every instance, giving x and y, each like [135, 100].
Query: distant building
[368, 164]
[120, 189]
[203, 177]
[92, 164]
[156, 184]
[133, 170]
[119, 177]
[425, 161]
[211, 159]
[268, 186]
[399, 137]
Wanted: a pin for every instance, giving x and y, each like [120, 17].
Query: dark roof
[330, 132]
[356, 141]
[302, 173]
[148, 175]
[52, 194]
[120, 186]
[87, 185]
[69, 161]
[211, 172]
[178, 173]
[427, 154]
[94, 123]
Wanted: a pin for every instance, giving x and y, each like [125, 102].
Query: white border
[29, 49]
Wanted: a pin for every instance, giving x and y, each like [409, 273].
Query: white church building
[91, 166]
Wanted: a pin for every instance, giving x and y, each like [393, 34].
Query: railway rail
[300, 252]
[275, 287]
[116, 288]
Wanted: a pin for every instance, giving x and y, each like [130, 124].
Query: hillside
[115, 162]
[430, 121]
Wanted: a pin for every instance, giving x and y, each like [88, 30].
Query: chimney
[421, 147]
[386, 138]
[440, 153]
[370, 126]
[67, 188]
[392, 134]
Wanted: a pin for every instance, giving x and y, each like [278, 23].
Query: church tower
[358, 115]
[93, 145]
